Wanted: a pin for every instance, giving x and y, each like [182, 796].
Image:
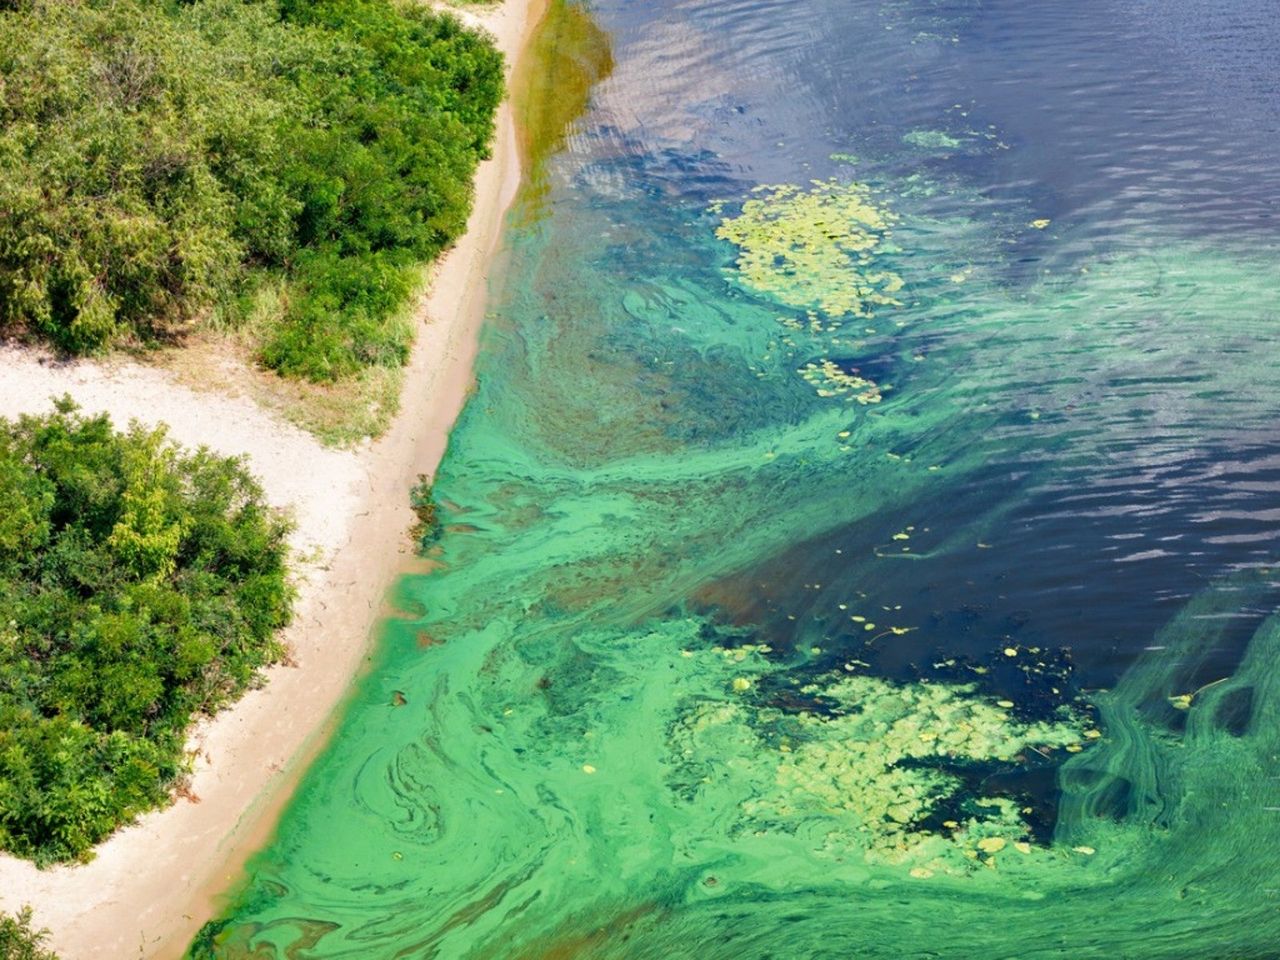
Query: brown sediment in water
[547, 102]
[568, 943]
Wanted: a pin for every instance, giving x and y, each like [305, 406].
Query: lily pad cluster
[868, 770]
[815, 247]
[827, 377]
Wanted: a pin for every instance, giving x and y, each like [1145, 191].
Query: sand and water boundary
[154, 883]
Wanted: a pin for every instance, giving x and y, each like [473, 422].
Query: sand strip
[151, 885]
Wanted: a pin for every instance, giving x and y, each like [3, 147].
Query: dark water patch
[1235, 711]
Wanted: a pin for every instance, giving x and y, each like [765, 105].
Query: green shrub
[155, 157]
[140, 585]
[18, 941]
[343, 317]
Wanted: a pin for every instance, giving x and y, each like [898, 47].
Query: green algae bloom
[873, 767]
[831, 381]
[578, 774]
[815, 247]
[931, 140]
[547, 103]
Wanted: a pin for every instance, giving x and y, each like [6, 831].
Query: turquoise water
[859, 541]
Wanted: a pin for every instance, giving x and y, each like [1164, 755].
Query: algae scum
[859, 543]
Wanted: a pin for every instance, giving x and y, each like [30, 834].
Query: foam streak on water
[860, 541]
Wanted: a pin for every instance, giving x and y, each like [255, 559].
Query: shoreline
[155, 882]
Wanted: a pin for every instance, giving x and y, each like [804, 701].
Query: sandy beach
[153, 884]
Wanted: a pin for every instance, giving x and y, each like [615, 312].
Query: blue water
[1131, 126]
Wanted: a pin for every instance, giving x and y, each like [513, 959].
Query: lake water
[860, 542]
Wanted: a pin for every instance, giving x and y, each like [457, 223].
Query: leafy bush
[140, 585]
[156, 158]
[19, 942]
[343, 317]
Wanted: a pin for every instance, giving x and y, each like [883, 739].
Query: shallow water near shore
[860, 540]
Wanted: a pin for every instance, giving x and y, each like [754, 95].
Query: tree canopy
[20, 941]
[140, 585]
[160, 160]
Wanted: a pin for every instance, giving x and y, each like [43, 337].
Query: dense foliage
[158, 159]
[139, 585]
[18, 941]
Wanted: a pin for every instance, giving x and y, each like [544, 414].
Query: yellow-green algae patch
[815, 247]
[830, 380]
[872, 767]
[931, 140]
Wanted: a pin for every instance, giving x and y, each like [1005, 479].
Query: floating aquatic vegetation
[931, 140]
[815, 247]
[872, 767]
[812, 323]
[827, 377]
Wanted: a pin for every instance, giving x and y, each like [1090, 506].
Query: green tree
[20, 941]
[141, 585]
[158, 160]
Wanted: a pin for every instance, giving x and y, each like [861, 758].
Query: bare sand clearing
[152, 884]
